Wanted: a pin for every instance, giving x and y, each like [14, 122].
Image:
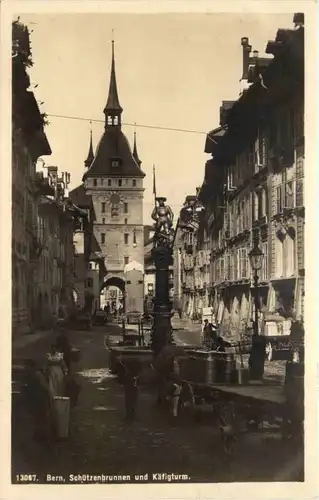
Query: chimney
[299, 20]
[53, 174]
[246, 51]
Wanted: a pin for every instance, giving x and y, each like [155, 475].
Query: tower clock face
[115, 199]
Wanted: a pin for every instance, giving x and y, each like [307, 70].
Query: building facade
[54, 276]
[89, 259]
[29, 142]
[191, 260]
[253, 188]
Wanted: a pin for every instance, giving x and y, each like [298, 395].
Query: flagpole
[154, 185]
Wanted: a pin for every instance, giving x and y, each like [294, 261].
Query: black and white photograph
[158, 267]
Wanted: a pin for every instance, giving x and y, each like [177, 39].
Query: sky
[173, 71]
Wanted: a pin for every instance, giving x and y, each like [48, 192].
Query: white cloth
[56, 374]
[61, 408]
[56, 380]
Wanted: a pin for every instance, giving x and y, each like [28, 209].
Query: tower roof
[90, 156]
[135, 153]
[113, 103]
[113, 156]
[114, 147]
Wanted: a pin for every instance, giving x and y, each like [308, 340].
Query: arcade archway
[112, 294]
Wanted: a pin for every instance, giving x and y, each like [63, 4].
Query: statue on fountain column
[163, 217]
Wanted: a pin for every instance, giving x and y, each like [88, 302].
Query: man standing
[130, 383]
[257, 357]
[206, 333]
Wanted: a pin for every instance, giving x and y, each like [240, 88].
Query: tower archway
[112, 293]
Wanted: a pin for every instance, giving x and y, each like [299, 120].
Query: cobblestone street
[101, 442]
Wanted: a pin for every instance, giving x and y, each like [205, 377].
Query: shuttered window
[231, 267]
[289, 194]
[222, 268]
[279, 199]
[264, 273]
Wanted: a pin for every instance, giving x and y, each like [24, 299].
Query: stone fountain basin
[129, 354]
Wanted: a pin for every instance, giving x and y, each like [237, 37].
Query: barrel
[225, 368]
[199, 367]
[230, 368]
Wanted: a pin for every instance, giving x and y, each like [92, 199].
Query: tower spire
[135, 153]
[90, 156]
[113, 109]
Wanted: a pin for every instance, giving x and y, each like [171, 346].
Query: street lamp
[256, 260]
[134, 239]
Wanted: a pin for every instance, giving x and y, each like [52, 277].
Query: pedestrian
[56, 370]
[37, 396]
[57, 377]
[209, 335]
[130, 384]
[205, 331]
[63, 345]
[214, 338]
[257, 357]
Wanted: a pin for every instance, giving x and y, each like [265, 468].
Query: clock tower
[114, 182]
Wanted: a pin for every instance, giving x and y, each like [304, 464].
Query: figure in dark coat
[130, 385]
[37, 396]
[257, 357]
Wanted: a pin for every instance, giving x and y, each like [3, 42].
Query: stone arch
[116, 281]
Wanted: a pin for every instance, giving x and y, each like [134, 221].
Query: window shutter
[256, 160]
[278, 199]
[299, 193]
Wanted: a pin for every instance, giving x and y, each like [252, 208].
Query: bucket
[61, 406]
[225, 368]
[230, 368]
[75, 355]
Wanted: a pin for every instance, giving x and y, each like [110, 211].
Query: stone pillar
[162, 328]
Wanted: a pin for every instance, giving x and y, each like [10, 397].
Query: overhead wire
[79, 118]
[156, 127]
